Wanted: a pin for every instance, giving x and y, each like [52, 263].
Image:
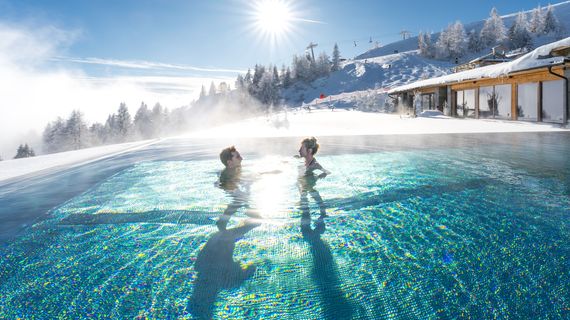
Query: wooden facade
[539, 76]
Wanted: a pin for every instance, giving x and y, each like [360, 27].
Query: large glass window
[427, 101]
[553, 101]
[503, 100]
[459, 104]
[527, 101]
[469, 103]
[486, 102]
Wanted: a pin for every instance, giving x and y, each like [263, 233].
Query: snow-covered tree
[248, 79]
[55, 138]
[518, 33]
[123, 123]
[473, 41]
[287, 78]
[212, 91]
[301, 68]
[267, 89]
[202, 93]
[158, 117]
[550, 22]
[451, 42]
[494, 31]
[424, 45]
[258, 72]
[276, 80]
[76, 130]
[335, 59]
[536, 24]
[24, 151]
[143, 123]
[240, 83]
[322, 65]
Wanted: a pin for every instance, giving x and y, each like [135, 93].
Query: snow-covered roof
[531, 60]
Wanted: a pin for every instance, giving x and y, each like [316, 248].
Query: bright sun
[273, 17]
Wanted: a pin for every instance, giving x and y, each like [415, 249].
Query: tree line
[258, 91]
[454, 42]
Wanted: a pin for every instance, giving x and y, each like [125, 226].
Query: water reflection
[324, 270]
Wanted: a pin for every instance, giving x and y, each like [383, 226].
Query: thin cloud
[308, 20]
[136, 64]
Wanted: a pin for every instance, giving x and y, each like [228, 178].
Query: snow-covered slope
[382, 68]
[374, 73]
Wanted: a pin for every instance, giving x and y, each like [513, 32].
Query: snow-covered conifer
[550, 22]
[335, 58]
[77, 132]
[536, 24]
[124, 123]
[143, 123]
[494, 31]
[473, 41]
[212, 91]
[518, 33]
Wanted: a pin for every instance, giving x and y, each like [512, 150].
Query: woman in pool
[309, 148]
[307, 179]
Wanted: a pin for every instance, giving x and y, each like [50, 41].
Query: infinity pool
[416, 228]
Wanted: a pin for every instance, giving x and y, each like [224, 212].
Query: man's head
[230, 157]
[309, 146]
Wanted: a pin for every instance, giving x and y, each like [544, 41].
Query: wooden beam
[514, 102]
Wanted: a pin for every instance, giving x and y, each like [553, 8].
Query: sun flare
[273, 17]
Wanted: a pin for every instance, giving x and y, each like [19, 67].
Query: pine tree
[124, 123]
[457, 40]
[77, 132]
[519, 34]
[536, 24]
[24, 151]
[451, 42]
[551, 24]
[240, 83]
[421, 44]
[158, 119]
[202, 93]
[55, 137]
[287, 78]
[473, 41]
[335, 59]
[212, 91]
[322, 65]
[248, 79]
[143, 123]
[493, 31]
[276, 79]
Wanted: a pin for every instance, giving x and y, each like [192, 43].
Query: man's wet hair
[226, 154]
[311, 143]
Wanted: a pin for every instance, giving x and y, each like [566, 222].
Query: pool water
[455, 230]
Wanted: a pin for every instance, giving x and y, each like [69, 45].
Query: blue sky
[218, 34]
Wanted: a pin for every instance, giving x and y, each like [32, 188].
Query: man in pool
[230, 181]
[307, 179]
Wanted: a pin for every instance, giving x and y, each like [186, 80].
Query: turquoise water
[445, 232]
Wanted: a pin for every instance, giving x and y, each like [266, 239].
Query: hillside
[396, 64]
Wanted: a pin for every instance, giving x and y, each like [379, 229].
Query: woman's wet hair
[226, 154]
[311, 143]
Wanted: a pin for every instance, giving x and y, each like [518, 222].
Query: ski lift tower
[311, 46]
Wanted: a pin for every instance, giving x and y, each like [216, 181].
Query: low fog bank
[302, 122]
